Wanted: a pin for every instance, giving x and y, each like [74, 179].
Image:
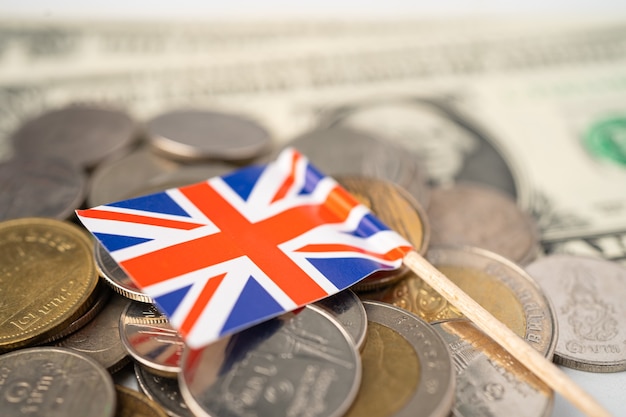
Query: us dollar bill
[542, 98]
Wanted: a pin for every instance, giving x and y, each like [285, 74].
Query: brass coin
[397, 209]
[407, 369]
[383, 368]
[47, 278]
[500, 286]
[131, 403]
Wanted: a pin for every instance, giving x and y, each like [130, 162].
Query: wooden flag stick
[505, 337]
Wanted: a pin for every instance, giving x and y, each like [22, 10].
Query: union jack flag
[224, 254]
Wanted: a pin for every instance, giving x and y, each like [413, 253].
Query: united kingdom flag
[227, 253]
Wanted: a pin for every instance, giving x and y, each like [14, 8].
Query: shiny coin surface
[150, 339]
[54, 382]
[476, 215]
[165, 391]
[348, 309]
[88, 134]
[490, 382]
[131, 403]
[588, 296]
[297, 364]
[100, 338]
[40, 187]
[194, 134]
[407, 369]
[116, 277]
[47, 279]
[341, 151]
[398, 210]
[499, 285]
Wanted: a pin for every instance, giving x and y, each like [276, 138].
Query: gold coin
[47, 279]
[131, 403]
[398, 210]
[414, 295]
[391, 372]
[497, 284]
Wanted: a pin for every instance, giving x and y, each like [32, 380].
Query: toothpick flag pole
[505, 337]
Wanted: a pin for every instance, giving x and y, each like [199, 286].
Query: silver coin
[481, 216]
[588, 296]
[114, 179]
[297, 364]
[54, 382]
[194, 134]
[115, 276]
[504, 289]
[490, 382]
[407, 369]
[38, 186]
[348, 309]
[100, 338]
[342, 151]
[88, 135]
[150, 339]
[165, 391]
[185, 175]
[142, 170]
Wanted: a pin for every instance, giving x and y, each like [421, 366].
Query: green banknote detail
[606, 139]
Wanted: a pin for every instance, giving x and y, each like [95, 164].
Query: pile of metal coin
[77, 338]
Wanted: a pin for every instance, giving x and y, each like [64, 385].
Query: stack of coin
[67, 335]
[54, 154]
[48, 280]
[50, 293]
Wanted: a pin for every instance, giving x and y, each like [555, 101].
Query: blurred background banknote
[534, 108]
